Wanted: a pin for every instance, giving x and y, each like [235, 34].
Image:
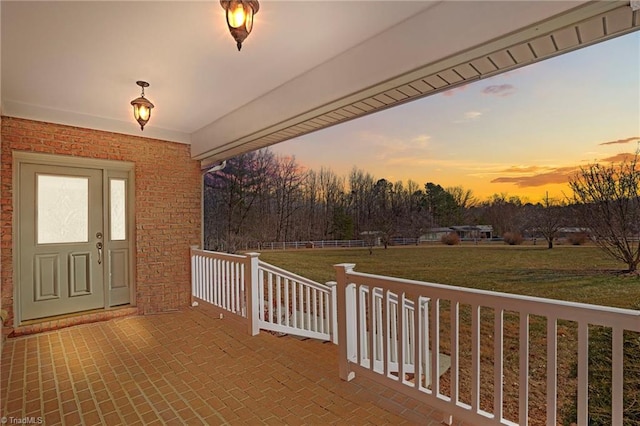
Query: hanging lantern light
[141, 106]
[239, 14]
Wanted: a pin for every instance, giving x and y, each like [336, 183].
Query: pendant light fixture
[141, 106]
[239, 15]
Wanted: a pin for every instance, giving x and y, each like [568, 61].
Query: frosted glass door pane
[63, 209]
[118, 209]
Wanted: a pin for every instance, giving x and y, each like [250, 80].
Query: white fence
[379, 318]
[287, 245]
[284, 302]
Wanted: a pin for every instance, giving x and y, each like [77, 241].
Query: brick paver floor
[184, 368]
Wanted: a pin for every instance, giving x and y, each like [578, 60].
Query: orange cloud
[521, 169]
[619, 158]
[622, 141]
[555, 176]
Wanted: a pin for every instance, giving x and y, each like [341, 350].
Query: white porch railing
[399, 331]
[401, 325]
[284, 302]
[289, 303]
[219, 278]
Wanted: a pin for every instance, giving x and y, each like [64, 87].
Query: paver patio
[188, 367]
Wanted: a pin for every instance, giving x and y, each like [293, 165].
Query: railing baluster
[426, 332]
[287, 315]
[583, 373]
[358, 314]
[294, 304]
[475, 358]
[307, 297]
[617, 375]
[371, 337]
[237, 305]
[278, 300]
[270, 298]
[418, 343]
[524, 370]
[204, 285]
[227, 272]
[385, 338]
[401, 336]
[201, 283]
[552, 369]
[198, 281]
[393, 337]
[260, 295]
[217, 276]
[498, 331]
[455, 333]
[301, 305]
[243, 292]
[321, 308]
[314, 309]
[234, 286]
[435, 346]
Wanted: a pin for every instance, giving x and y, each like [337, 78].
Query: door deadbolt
[99, 235]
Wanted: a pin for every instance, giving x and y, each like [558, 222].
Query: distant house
[465, 232]
[435, 234]
[474, 232]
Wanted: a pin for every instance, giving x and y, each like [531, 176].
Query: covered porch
[189, 367]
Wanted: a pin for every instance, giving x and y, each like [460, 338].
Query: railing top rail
[573, 311]
[269, 267]
[217, 254]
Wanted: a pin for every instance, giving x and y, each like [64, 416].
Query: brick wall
[167, 204]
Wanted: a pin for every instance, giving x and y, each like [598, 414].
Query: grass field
[572, 273]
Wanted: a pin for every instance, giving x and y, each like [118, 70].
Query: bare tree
[463, 199]
[501, 211]
[608, 201]
[288, 179]
[547, 218]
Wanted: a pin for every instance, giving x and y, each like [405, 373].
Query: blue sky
[520, 133]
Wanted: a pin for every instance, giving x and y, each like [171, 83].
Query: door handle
[99, 247]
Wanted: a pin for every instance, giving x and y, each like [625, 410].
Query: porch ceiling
[307, 65]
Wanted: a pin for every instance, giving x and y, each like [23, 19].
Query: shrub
[513, 238]
[450, 239]
[578, 238]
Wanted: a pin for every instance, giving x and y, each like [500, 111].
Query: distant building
[465, 232]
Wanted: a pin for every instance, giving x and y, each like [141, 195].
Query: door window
[118, 209]
[63, 209]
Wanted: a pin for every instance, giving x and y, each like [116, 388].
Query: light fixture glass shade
[142, 107]
[239, 14]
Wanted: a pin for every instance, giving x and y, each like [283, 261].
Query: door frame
[22, 157]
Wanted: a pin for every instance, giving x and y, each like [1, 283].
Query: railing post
[194, 280]
[346, 319]
[252, 293]
[333, 310]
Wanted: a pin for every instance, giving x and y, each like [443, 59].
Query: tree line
[263, 197]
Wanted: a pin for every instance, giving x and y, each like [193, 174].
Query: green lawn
[574, 273]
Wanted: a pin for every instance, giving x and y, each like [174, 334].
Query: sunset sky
[520, 133]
